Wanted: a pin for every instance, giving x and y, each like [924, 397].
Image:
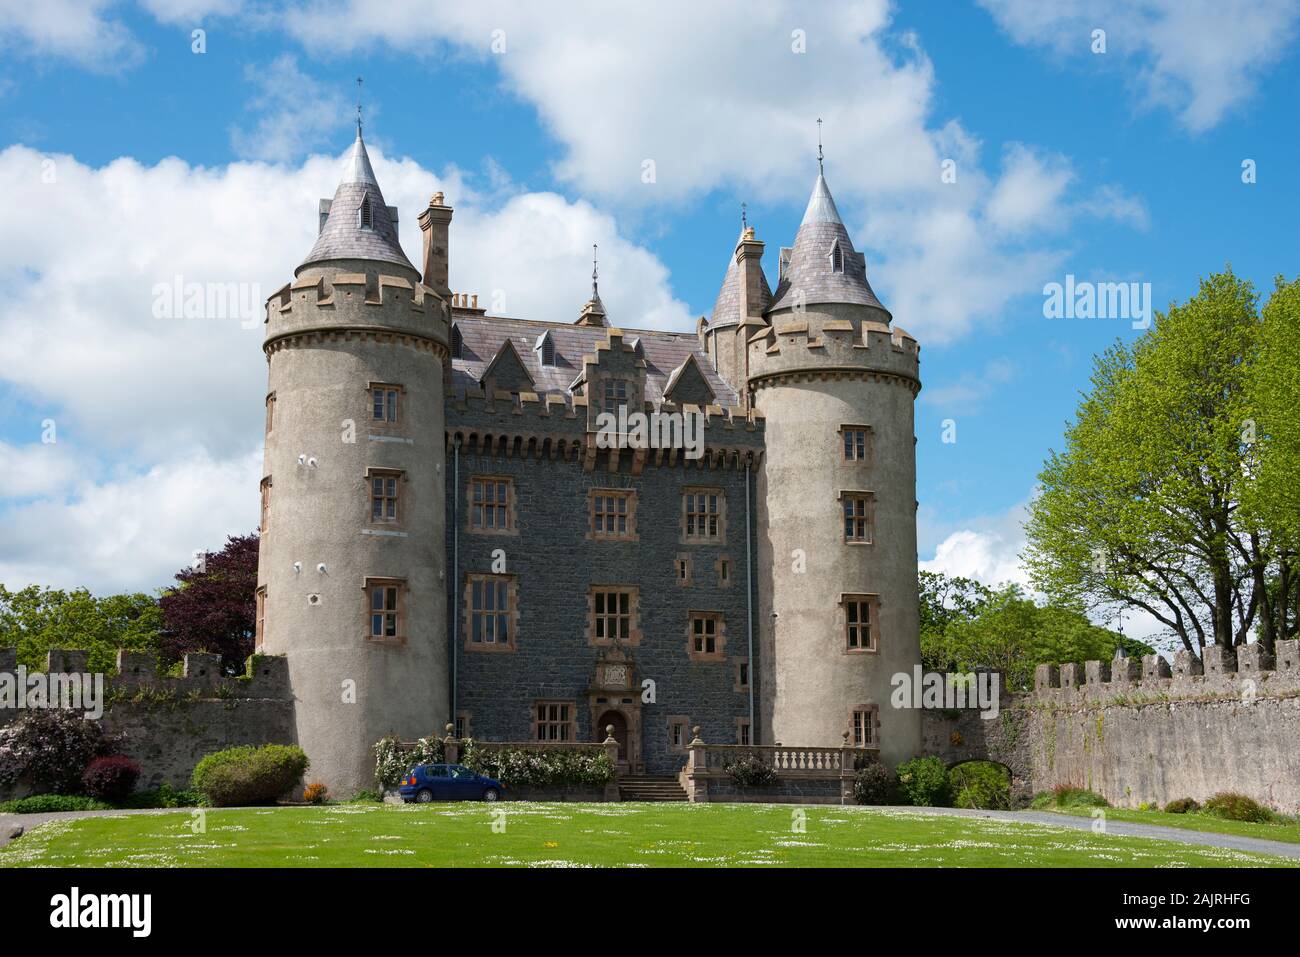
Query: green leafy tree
[36, 619]
[1142, 509]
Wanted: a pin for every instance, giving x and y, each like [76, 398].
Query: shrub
[549, 768]
[163, 796]
[1183, 806]
[981, 784]
[315, 793]
[46, 803]
[110, 779]
[1067, 796]
[249, 775]
[873, 783]
[924, 782]
[750, 771]
[1231, 806]
[49, 749]
[392, 761]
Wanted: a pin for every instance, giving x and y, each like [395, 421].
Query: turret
[836, 382]
[738, 312]
[351, 567]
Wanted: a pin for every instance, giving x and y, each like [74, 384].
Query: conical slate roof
[812, 265]
[348, 234]
[726, 309]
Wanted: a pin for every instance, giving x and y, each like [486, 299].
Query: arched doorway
[619, 723]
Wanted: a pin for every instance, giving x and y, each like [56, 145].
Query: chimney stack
[434, 224]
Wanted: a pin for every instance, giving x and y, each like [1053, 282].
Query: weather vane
[593, 271]
[819, 146]
[359, 82]
[744, 221]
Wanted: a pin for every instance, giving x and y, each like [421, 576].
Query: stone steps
[646, 787]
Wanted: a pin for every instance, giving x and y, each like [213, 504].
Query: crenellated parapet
[266, 677]
[328, 305]
[1246, 671]
[832, 342]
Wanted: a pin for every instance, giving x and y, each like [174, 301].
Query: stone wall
[1144, 732]
[169, 723]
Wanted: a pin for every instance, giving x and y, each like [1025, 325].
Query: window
[858, 517]
[724, 571]
[554, 721]
[861, 625]
[615, 395]
[367, 214]
[270, 412]
[259, 634]
[383, 496]
[742, 732]
[613, 514]
[457, 342]
[266, 504]
[682, 570]
[866, 728]
[384, 400]
[704, 515]
[489, 623]
[491, 504]
[705, 636]
[384, 598]
[613, 615]
[837, 259]
[742, 675]
[679, 733]
[462, 725]
[547, 350]
[857, 443]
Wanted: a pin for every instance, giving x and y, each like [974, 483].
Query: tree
[34, 619]
[1143, 507]
[213, 608]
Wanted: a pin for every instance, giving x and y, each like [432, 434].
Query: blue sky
[1115, 166]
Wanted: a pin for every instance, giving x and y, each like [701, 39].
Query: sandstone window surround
[682, 567]
[723, 567]
[679, 736]
[742, 675]
[385, 404]
[859, 512]
[384, 487]
[386, 610]
[491, 612]
[743, 735]
[555, 721]
[612, 514]
[706, 635]
[613, 615]
[259, 630]
[266, 505]
[856, 445]
[615, 395]
[860, 618]
[491, 505]
[270, 412]
[704, 515]
[864, 725]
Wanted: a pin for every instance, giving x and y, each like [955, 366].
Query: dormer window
[546, 349]
[367, 215]
[837, 259]
[457, 342]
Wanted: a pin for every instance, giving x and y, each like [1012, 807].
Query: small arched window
[837, 259]
[457, 342]
[367, 217]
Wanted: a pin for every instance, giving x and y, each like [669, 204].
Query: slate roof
[726, 310]
[482, 337]
[341, 235]
[810, 268]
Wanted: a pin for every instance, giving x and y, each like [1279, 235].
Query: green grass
[558, 835]
[1287, 832]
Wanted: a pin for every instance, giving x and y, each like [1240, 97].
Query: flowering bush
[392, 761]
[546, 768]
[750, 771]
[50, 748]
[315, 793]
[110, 779]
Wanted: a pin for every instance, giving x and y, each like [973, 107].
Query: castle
[445, 539]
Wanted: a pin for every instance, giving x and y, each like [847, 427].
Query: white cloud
[296, 113]
[1199, 58]
[969, 390]
[79, 30]
[140, 402]
[986, 549]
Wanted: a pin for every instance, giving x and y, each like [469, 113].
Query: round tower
[836, 499]
[351, 568]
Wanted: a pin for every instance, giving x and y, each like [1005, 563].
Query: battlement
[832, 341]
[356, 301]
[201, 677]
[1225, 672]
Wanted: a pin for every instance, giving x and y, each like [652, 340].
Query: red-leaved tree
[213, 607]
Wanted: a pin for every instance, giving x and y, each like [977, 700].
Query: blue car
[447, 782]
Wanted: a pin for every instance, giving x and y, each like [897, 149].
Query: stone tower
[351, 569]
[836, 498]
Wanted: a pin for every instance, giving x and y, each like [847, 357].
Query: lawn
[1288, 832]
[561, 835]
